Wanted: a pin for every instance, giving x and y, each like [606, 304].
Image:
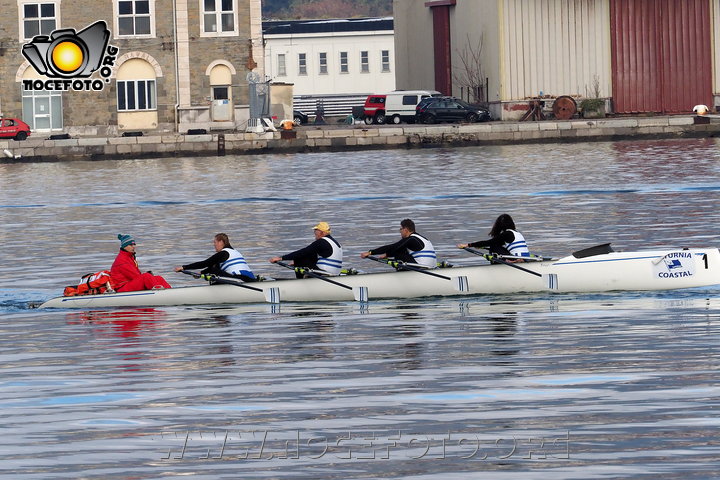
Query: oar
[272, 295]
[550, 280]
[360, 293]
[495, 259]
[461, 283]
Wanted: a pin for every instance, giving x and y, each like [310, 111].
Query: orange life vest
[91, 284]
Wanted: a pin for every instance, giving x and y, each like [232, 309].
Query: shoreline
[320, 138]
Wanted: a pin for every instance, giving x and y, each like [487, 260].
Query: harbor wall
[356, 137]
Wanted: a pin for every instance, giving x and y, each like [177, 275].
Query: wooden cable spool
[564, 107]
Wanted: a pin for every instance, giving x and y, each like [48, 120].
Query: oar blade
[551, 281]
[461, 283]
[272, 295]
[361, 294]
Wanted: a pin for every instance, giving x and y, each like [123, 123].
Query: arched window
[136, 82]
[221, 92]
[136, 86]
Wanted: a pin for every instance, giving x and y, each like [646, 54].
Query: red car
[14, 128]
[374, 109]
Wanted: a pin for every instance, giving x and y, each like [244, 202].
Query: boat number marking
[676, 265]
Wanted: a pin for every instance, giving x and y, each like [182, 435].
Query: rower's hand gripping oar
[359, 293]
[460, 283]
[272, 295]
[550, 279]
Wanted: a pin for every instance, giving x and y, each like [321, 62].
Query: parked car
[450, 109]
[14, 128]
[397, 106]
[300, 118]
[374, 109]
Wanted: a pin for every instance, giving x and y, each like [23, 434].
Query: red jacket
[124, 269]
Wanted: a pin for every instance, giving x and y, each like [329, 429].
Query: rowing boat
[598, 269]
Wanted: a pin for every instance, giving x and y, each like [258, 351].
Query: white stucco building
[331, 58]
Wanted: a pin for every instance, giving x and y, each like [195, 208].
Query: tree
[310, 9]
[469, 74]
[324, 9]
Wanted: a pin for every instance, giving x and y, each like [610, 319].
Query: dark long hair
[502, 223]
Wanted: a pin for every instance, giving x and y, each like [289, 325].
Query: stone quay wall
[356, 137]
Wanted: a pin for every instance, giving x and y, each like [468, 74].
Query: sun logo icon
[67, 57]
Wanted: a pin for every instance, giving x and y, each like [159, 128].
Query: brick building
[180, 64]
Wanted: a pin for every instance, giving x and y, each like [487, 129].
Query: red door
[661, 55]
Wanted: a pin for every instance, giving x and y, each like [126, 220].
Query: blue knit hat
[125, 240]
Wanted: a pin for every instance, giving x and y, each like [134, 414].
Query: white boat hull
[632, 271]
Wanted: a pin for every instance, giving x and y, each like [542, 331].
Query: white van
[399, 106]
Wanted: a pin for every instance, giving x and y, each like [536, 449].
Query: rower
[226, 262]
[412, 248]
[504, 240]
[323, 256]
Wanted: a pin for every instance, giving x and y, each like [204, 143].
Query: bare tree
[469, 74]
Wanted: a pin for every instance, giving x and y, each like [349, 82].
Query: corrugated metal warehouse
[645, 56]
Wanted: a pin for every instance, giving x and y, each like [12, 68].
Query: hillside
[306, 9]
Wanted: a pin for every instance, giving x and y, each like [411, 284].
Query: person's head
[407, 228]
[221, 241]
[322, 229]
[502, 223]
[127, 242]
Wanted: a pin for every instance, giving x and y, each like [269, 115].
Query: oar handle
[483, 254]
[221, 279]
[308, 272]
[405, 266]
[191, 273]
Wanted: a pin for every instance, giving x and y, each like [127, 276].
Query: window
[221, 93]
[409, 100]
[42, 109]
[218, 17]
[134, 17]
[38, 19]
[385, 55]
[323, 63]
[302, 64]
[364, 62]
[344, 62]
[281, 70]
[136, 95]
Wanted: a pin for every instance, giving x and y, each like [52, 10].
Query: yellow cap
[323, 227]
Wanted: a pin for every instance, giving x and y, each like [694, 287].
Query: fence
[332, 105]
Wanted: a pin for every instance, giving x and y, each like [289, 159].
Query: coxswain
[125, 275]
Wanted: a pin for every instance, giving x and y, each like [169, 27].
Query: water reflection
[126, 324]
[308, 340]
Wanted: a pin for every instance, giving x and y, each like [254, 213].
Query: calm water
[506, 387]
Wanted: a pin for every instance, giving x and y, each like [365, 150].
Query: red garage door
[661, 55]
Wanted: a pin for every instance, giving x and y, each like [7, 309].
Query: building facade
[323, 59]
[179, 64]
[644, 56]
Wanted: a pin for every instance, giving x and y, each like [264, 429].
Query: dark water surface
[528, 386]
